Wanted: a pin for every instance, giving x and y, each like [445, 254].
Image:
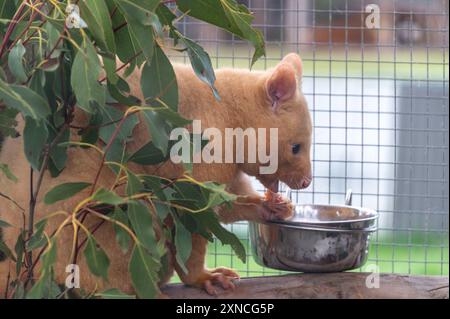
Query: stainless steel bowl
[318, 238]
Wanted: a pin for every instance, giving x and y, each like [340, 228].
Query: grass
[418, 64]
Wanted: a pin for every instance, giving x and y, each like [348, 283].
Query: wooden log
[346, 285]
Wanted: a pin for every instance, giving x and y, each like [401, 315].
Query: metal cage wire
[379, 103]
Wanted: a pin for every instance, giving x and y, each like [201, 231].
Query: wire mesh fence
[376, 81]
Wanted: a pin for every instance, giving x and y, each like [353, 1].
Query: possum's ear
[282, 84]
[295, 60]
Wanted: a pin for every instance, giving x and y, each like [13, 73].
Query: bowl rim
[373, 216]
[370, 229]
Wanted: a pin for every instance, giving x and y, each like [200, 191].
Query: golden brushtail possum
[270, 99]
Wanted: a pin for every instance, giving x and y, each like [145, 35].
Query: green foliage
[35, 136]
[228, 15]
[142, 223]
[149, 154]
[7, 172]
[24, 100]
[38, 239]
[201, 63]
[64, 191]
[96, 258]
[85, 73]
[144, 272]
[114, 294]
[15, 62]
[183, 243]
[122, 237]
[159, 82]
[5, 249]
[107, 197]
[7, 123]
[48, 73]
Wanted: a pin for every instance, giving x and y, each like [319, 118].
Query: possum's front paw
[221, 276]
[275, 207]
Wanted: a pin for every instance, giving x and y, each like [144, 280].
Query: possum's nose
[300, 182]
[306, 181]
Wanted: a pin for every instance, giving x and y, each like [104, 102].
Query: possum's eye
[296, 149]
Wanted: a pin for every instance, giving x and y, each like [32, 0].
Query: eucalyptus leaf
[140, 10]
[148, 154]
[5, 250]
[19, 249]
[58, 153]
[24, 100]
[127, 50]
[141, 221]
[35, 136]
[114, 293]
[64, 191]
[7, 9]
[228, 15]
[159, 129]
[183, 244]
[45, 287]
[15, 62]
[4, 225]
[8, 123]
[141, 32]
[110, 122]
[38, 239]
[7, 172]
[158, 80]
[107, 197]
[96, 258]
[144, 270]
[134, 185]
[210, 221]
[160, 123]
[201, 63]
[122, 236]
[97, 17]
[85, 73]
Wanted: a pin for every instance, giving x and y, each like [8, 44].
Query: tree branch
[14, 21]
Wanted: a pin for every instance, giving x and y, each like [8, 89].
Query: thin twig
[12, 200]
[124, 65]
[107, 147]
[113, 13]
[14, 21]
[7, 283]
[94, 229]
[34, 192]
[44, 20]
[26, 29]
[119, 27]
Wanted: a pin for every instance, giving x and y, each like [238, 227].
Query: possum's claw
[221, 276]
[226, 271]
[279, 209]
